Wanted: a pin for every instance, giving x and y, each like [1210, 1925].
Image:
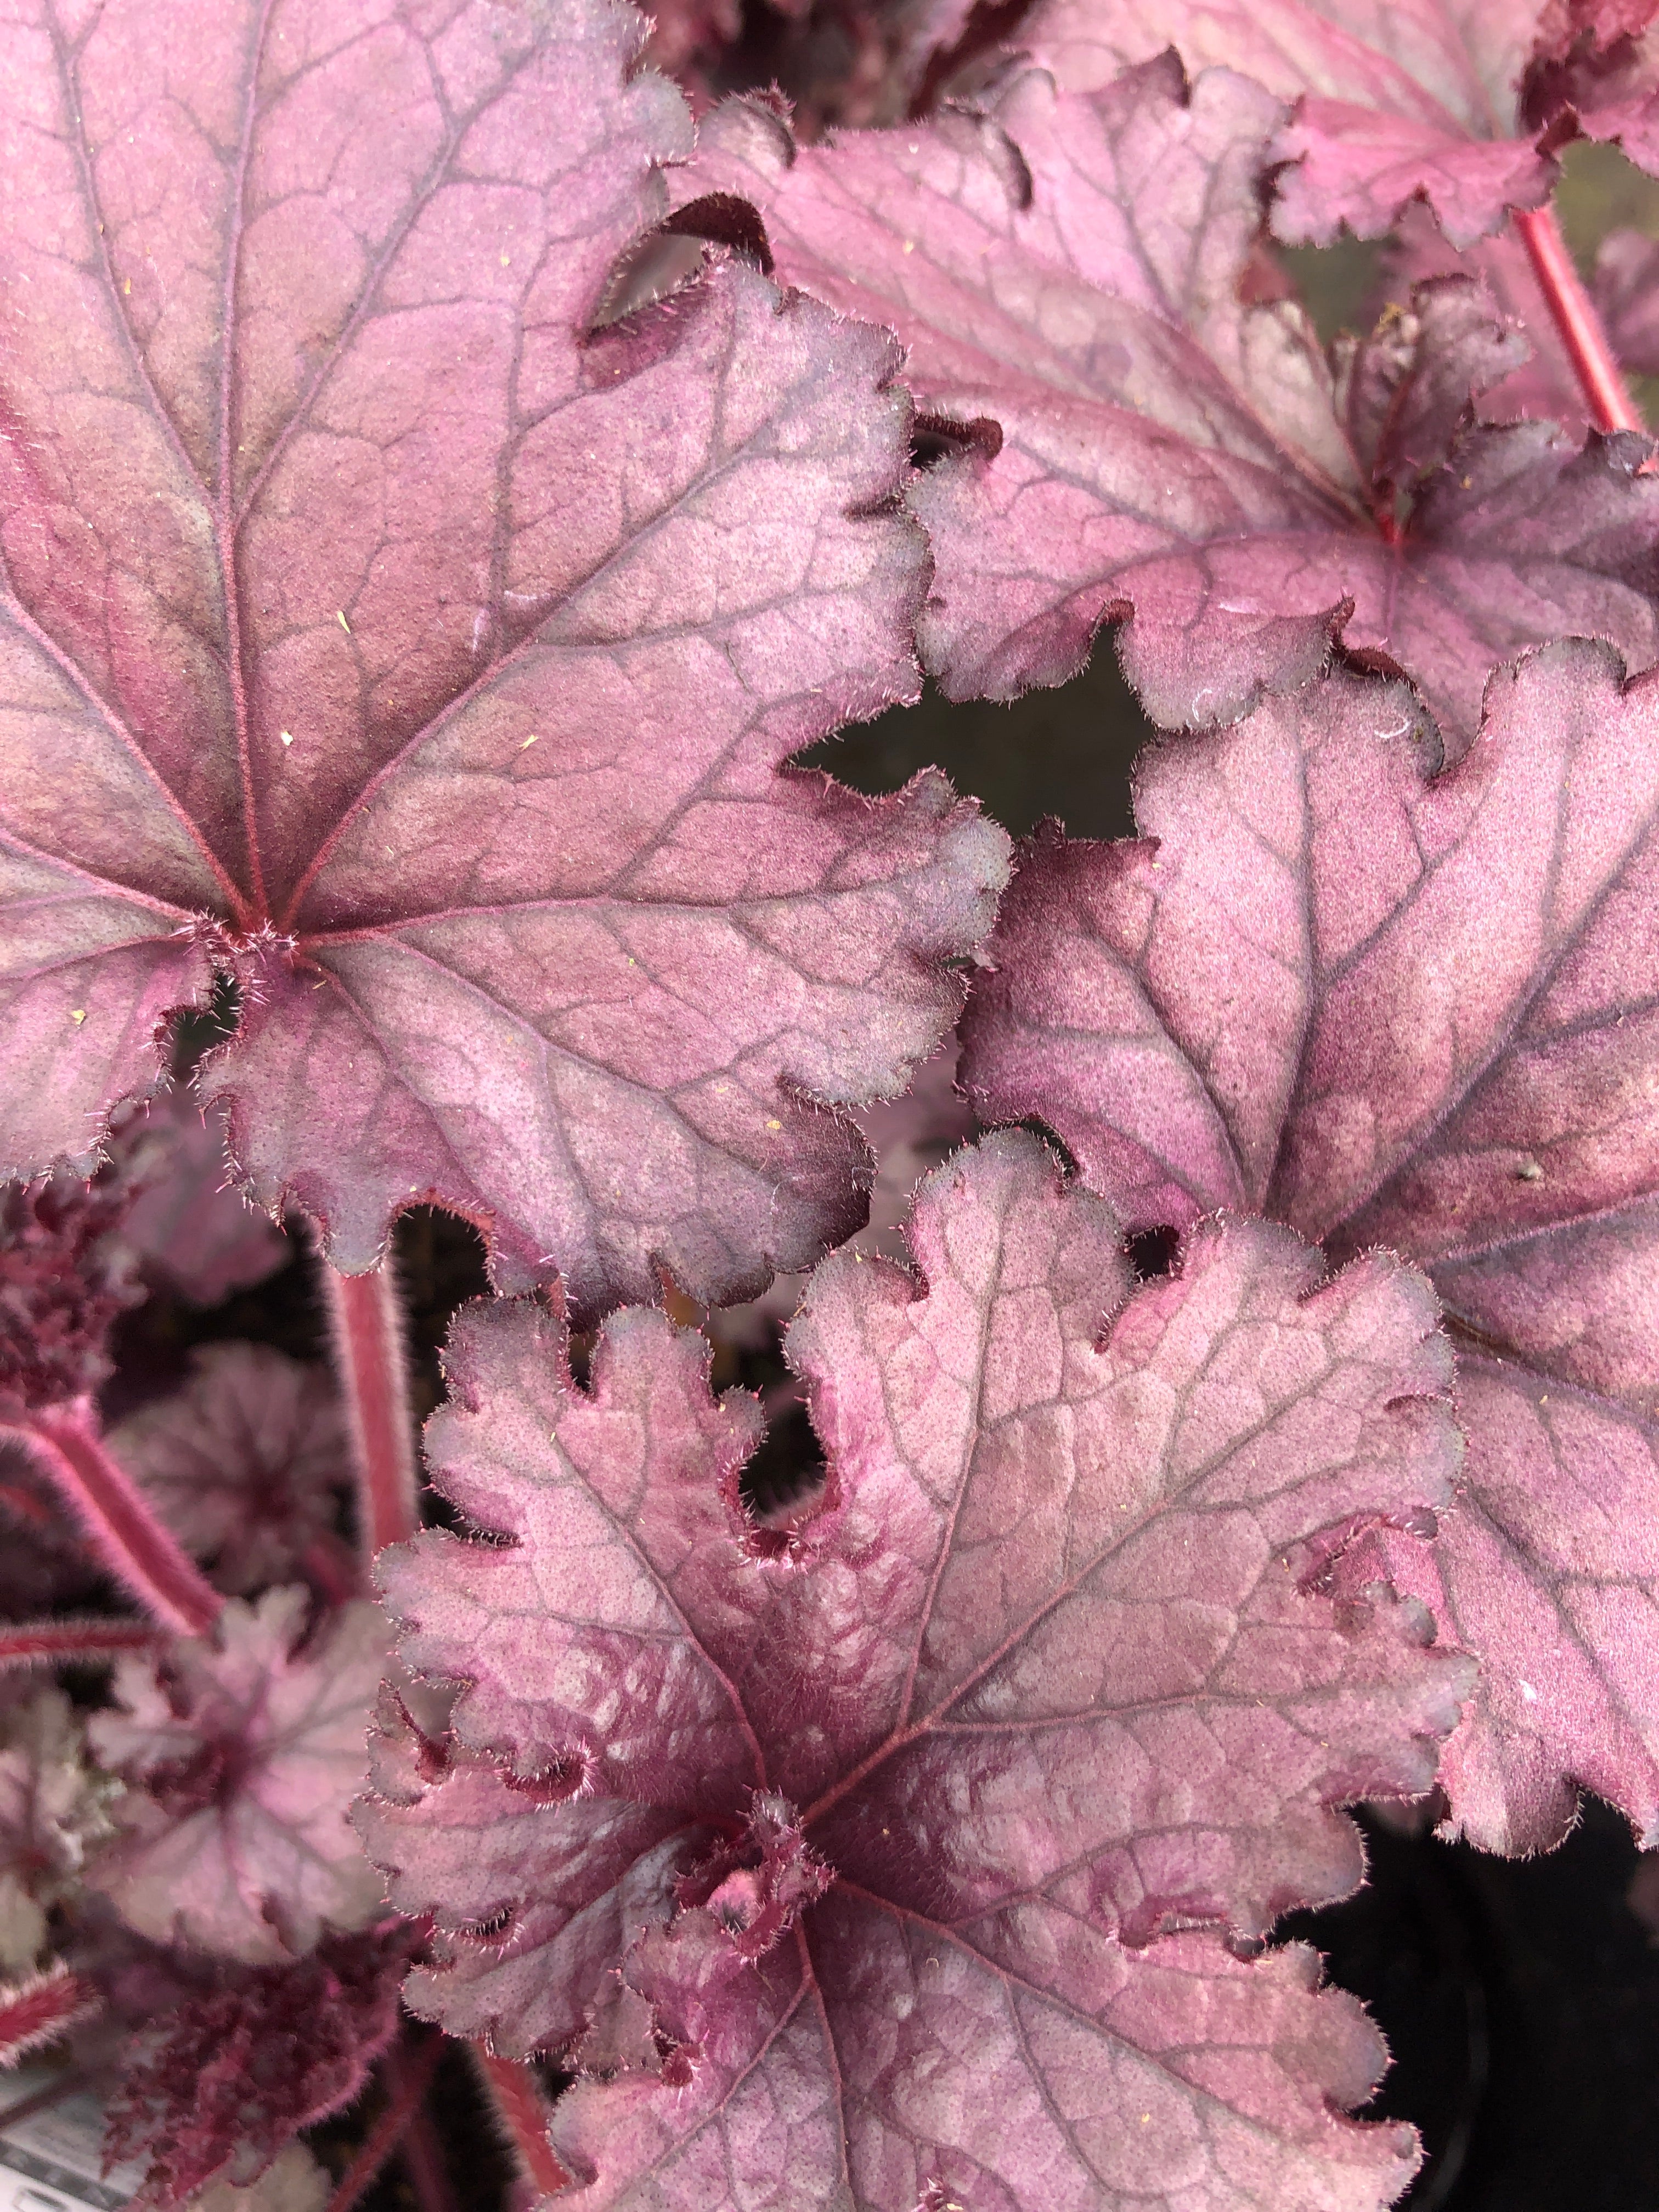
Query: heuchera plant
[440, 492]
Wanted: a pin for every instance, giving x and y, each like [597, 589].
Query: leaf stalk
[1606, 396]
[47, 1642]
[421, 2150]
[120, 1524]
[411, 2084]
[367, 1315]
[521, 2109]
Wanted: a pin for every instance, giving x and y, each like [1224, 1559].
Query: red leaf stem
[523, 2112]
[1606, 399]
[412, 2082]
[37, 2010]
[368, 1356]
[44, 1643]
[126, 1534]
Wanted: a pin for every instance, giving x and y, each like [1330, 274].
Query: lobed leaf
[1621, 289]
[1457, 104]
[1393, 1008]
[381, 634]
[1137, 432]
[246, 1462]
[1041, 1678]
[241, 1754]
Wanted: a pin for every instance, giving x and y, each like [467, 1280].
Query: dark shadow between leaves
[1064, 752]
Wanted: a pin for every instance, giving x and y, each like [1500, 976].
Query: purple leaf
[1395, 99]
[907, 1135]
[801, 1823]
[187, 1226]
[1624, 290]
[536, 1893]
[382, 636]
[226, 2063]
[1550, 1570]
[245, 1463]
[1135, 438]
[242, 1754]
[999, 2069]
[1416, 1012]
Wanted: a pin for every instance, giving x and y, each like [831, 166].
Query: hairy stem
[521, 2109]
[412, 2081]
[121, 1526]
[1607, 398]
[44, 1643]
[368, 1356]
[39, 2008]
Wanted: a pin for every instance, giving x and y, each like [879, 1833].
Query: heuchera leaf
[1624, 288]
[907, 1135]
[379, 633]
[1070, 275]
[226, 2063]
[1455, 103]
[242, 1755]
[245, 1463]
[188, 1227]
[1413, 1010]
[878, 1821]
